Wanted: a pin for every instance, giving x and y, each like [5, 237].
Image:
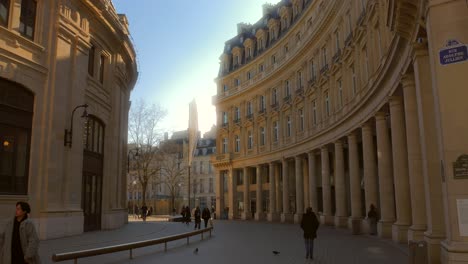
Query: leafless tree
[172, 168]
[144, 133]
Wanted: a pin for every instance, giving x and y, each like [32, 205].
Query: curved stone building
[55, 57]
[338, 105]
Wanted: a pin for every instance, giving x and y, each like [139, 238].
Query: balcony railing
[249, 116]
[237, 120]
[275, 105]
[337, 56]
[287, 98]
[262, 111]
[312, 80]
[300, 91]
[324, 69]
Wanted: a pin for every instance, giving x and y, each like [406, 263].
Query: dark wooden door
[92, 190]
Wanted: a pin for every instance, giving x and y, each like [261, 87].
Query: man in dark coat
[197, 216]
[310, 225]
[206, 216]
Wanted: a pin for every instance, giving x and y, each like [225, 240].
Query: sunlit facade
[338, 105]
[56, 56]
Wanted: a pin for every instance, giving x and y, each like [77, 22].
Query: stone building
[58, 59]
[338, 105]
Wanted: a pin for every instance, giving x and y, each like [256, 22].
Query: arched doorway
[93, 157]
[16, 113]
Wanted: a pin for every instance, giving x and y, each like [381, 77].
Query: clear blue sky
[178, 44]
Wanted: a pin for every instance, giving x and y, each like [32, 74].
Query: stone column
[416, 180]
[327, 217]
[341, 215]
[286, 216]
[370, 166]
[305, 185]
[219, 194]
[299, 189]
[355, 184]
[387, 195]
[259, 209]
[272, 214]
[232, 192]
[312, 182]
[400, 171]
[279, 197]
[246, 214]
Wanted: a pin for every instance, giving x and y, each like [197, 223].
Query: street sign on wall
[453, 52]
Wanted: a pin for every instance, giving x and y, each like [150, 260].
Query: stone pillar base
[384, 229]
[297, 218]
[246, 215]
[287, 218]
[454, 252]
[259, 216]
[273, 217]
[400, 233]
[327, 219]
[354, 224]
[416, 233]
[341, 221]
[433, 247]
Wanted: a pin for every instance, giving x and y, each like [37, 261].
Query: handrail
[75, 255]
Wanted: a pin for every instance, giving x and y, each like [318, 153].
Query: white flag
[192, 131]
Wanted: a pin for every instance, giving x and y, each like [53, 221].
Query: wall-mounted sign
[453, 52]
[462, 208]
[460, 167]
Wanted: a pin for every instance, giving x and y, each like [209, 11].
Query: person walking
[197, 215]
[144, 212]
[372, 217]
[310, 225]
[187, 215]
[19, 243]
[206, 216]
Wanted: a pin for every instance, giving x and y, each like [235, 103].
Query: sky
[178, 45]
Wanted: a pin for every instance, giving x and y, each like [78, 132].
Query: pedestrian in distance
[310, 225]
[197, 215]
[206, 216]
[144, 212]
[19, 243]
[372, 217]
[187, 215]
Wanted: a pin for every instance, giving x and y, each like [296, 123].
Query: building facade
[338, 105]
[58, 59]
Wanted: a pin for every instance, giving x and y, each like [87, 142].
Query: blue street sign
[454, 52]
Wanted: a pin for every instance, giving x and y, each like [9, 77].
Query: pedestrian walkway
[232, 242]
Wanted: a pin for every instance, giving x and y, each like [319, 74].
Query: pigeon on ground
[195, 251]
[276, 253]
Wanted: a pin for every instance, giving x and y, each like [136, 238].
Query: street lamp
[69, 133]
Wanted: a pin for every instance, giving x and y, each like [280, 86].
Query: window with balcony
[262, 103]
[286, 48]
[4, 12]
[28, 18]
[249, 75]
[249, 140]
[340, 93]
[366, 65]
[261, 68]
[225, 118]
[287, 89]
[237, 145]
[249, 108]
[225, 145]
[236, 114]
[301, 119]
[327, 104]
[299, 80]
[273, 59]
[313, 72]
[337, 41]
[314, 112]
[353, 80]
[324, 56]
[225, 87]
[262, 136]
[288, 126]
[236, 82]
[274, 96]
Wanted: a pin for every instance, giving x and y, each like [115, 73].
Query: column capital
[310, 153]
[368, 125]
[395, 100]
[298, 157]
[407, 80]
[324, 148]
[338, 142]
[379, 116]
[352, 136]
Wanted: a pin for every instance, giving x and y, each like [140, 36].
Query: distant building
[55, 56]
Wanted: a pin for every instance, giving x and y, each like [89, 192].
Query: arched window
[93, 138]
[16, 111]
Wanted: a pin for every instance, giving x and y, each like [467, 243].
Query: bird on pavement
[195, 251]
[276, 253]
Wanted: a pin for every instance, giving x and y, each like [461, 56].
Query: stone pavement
[232, 242]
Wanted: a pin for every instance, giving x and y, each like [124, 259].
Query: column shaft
[272, 215]
[246, 213]
[219, 193]
[232, 194]
[259, 211]
[370, 168]
[286, 211]
[326, 190]
[299, 189]
[312, 182]
[341, 215]
[279, 198]
[355, 184]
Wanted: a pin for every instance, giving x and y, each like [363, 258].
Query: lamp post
[133, 197]
[69, 133]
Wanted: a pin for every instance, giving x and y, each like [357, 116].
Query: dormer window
[249, 52]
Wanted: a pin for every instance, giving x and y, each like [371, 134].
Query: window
[287, 89]
[236, 113]
[262, 136]
[260, 68]
[102, 61]
[28, 18]
[314, 112]
[275, 131]
[298, 36]
[363, 5]
[273, 59]
[249, 108]
[210, 167]
[201, 167]
[249, 52]
[301, 119]
[312, 69]
[288, 126]
[274, 96]
[262, 102]
[350, 27]
[340, 93]
[299, 79]
[379, 41]
[91, 60]
[225, 118]
[353, 79]
[249, 140]
[249, 75]
[202, 189]
[211, 185]
[366, 66]
[93, 138]
[225, 145]
[4, 12]
[225, 87]
[236, 60]
[337, 39]
[327, 103]
[260, 43]
[324, 56]
[286, 48]
[236, 82]
[237, 148]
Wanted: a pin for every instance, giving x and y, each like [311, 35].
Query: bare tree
[144, 133]
[172, 168]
